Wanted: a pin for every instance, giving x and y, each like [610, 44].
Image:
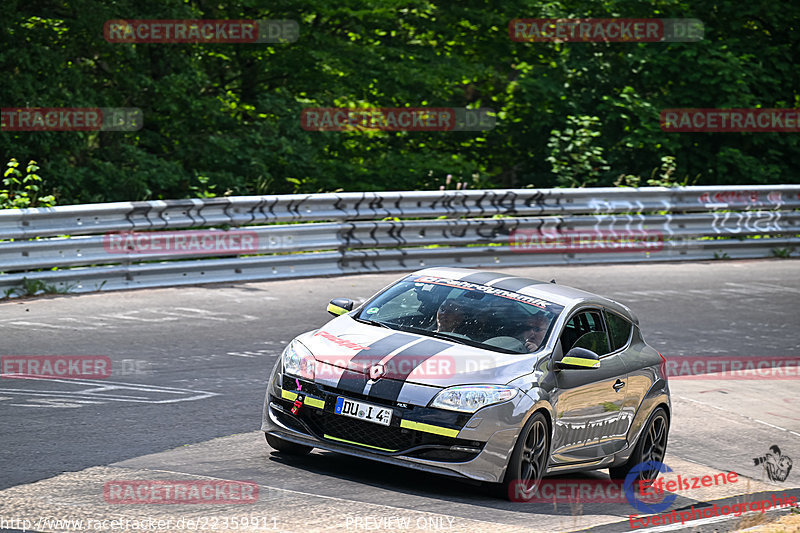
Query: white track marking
[739, 414]
[256, 353]
[55, 402]
[34, 325]
[335, 498]
[109, 391]
[124, 319]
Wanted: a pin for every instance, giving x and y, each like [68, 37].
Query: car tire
[652, 446]
[284, 446]
[528, 462]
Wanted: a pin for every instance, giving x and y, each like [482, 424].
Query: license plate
[363, 411]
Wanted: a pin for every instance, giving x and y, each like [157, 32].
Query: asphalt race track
[189, 365]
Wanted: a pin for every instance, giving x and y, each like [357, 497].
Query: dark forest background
[225, 118]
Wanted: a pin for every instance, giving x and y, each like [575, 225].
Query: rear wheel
[528, 462]
[652, 446]
[284, 446]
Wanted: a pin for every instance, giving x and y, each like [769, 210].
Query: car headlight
[470, 398]
[298, 361]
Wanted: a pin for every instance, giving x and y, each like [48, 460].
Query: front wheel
[652, 446]
[528, 462]
[284, 446]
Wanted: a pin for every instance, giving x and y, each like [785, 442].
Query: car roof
[559, 294]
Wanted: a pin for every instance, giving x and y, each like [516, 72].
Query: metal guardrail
[325, 234]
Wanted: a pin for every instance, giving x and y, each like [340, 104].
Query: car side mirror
[340, 306]
[579, 359]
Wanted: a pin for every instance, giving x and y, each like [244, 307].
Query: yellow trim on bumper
[580, 361]
[308, 400]
[358, 443]
[427, 428]
[313, 402]
[288, 395]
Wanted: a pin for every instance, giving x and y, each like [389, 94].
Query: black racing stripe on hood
[406, 361]
[483, 277]
[515, 284]
[353, 381]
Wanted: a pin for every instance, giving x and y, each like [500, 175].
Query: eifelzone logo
[631, 485]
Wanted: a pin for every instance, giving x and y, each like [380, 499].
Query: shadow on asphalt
[395, 479]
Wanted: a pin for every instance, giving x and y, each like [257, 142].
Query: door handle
[618, 385]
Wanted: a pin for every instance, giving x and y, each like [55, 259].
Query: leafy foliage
[577, 161]
[34, 287]
[19, 192]
[225, 118]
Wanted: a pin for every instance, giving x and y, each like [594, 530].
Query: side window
[585, 330]
[619, 330]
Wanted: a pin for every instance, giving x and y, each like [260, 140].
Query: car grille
[327, 425]
[387, 437]
[390, 439]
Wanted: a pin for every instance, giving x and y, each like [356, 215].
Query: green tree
[577, 160]
[225, 118]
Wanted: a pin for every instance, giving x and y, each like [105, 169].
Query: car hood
[347, 350]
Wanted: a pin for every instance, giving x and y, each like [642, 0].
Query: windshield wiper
[372, 322]
[453, 338]
[438, 335]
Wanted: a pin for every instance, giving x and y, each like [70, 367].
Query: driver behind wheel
[459, 316]
[450, 316]
[534, 330]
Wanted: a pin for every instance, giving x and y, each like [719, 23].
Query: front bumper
[464, 445]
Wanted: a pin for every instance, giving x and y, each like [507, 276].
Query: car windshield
[469, 313]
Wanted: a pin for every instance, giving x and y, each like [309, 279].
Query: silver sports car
[479, 375]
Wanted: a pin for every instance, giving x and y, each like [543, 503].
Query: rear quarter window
[619, 330]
